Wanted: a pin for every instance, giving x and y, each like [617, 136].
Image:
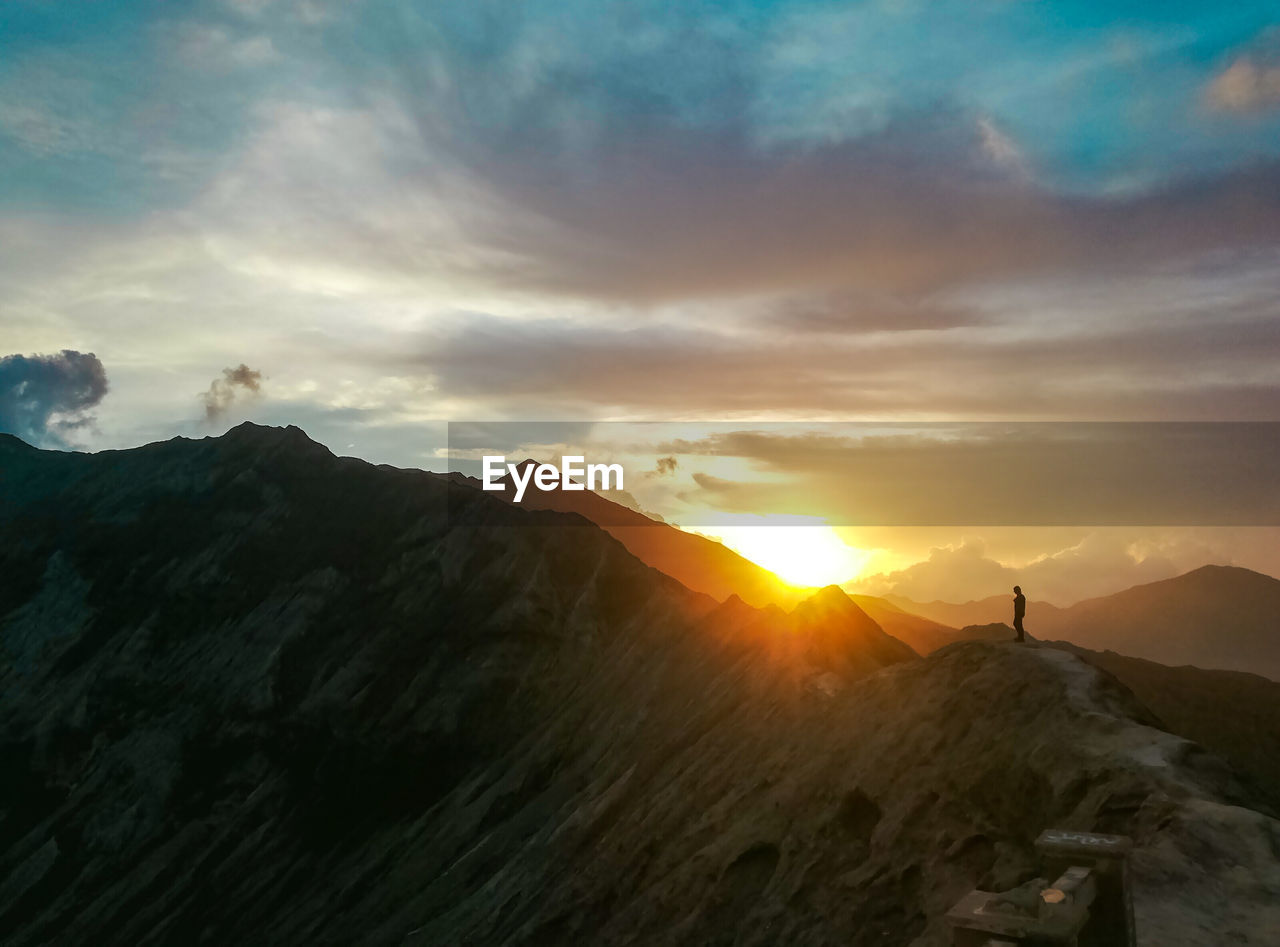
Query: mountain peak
[247, 430]
[1219, 571]
[1216, 616]
[266, 437]
[839, 629]
[832, 593]
[829, 597]
[11, 442]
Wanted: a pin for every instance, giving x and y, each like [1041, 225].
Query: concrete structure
[1086, 905]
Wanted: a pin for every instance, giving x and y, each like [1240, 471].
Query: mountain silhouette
[1215, 617]
[842, 631]
[924, 635]
[252, 692]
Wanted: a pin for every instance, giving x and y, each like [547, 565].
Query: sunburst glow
[799, 550]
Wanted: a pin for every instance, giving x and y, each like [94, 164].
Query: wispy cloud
[1099, 564]
[1003, 151]
[596, 210]
[1251, 81]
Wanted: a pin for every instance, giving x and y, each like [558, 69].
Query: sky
[370, 218]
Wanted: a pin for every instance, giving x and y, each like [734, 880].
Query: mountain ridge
[1217, 617]
[1214, 617]
[278, 695]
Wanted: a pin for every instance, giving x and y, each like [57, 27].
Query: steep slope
[702, 564]
[255, 693]
[841, 630]
[711, 567]
[1220, 617]
[248, 635]
[858, 814]
[922, 634]
[1233, 714]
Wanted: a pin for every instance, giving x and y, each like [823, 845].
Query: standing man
[1019, 609]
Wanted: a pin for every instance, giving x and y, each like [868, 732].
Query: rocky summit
[251, 692]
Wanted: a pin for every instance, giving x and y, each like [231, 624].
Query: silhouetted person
[1019, 609]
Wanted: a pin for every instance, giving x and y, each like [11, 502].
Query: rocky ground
[251, 692]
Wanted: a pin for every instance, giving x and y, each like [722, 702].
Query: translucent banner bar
[884, 474]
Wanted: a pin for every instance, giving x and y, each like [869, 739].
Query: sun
[801, 554]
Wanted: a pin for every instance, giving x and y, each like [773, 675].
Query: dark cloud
[43, 398]
[713, 495]
[222, 393]
[666, 465]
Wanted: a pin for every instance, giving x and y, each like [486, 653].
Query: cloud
[1149, 344]
[958, 573]
[1100, 564]
[636, 175]
[1000, 474]
[47, 106]
[44, 398]
[222, 393]
[595, 210]
[729, 495]
[506, 437]
[666, 465]
[911, 209]
[1001, 148]
[203, 46]
[1251, 82]
[577, 159]
[851, 310]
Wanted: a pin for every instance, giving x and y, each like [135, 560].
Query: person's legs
[1017, 626]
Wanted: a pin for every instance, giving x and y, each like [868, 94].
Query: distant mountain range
[1214, 617]
[984, 611]
[1221, 617]
[251, 692]
[1245, 727]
